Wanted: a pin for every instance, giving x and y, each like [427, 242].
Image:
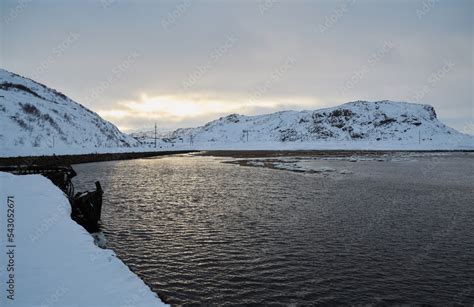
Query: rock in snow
[55, 261]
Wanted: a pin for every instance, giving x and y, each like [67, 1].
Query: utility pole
[419, 136]
[53, 141]
[246, 133]
[155, 134]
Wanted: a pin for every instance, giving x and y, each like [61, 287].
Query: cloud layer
[185, 62]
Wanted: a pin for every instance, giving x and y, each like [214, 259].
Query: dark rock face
[357, 135]
[288, 135]
[339, 113]
[431, 111]
[20, 87]
[385, 121]
[320, 131]
[232, 118]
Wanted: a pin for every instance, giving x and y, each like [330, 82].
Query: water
[201, 231]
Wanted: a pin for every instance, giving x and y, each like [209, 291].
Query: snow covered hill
[37, 119]
[353, 125]
[146, 137]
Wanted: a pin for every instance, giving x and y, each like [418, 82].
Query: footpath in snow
[46, 259]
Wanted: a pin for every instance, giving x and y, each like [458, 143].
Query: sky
[183, 63]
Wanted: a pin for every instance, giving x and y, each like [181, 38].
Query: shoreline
[63, 256]
[85, 158]
[70, 159]
[313, 153]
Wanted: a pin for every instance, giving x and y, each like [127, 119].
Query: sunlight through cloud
[199, 107]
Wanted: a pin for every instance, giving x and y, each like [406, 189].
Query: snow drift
[55, 260]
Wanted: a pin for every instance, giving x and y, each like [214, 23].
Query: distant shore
[312, 153]
[100, 157]
[84, 158]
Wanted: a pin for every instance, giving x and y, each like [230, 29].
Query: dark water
[201, 231]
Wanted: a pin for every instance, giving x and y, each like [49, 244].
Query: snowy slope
[55, 260]
[36, 118]
[146, 137]
[359, 124]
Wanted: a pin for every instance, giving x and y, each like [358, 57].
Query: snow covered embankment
[51, 260]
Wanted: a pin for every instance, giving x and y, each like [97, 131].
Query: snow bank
[54, 260]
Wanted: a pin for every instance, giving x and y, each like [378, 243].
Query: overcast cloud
[182, 63]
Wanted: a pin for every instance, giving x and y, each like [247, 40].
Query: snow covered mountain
[35, 119]
[38, 119]
[358, 124]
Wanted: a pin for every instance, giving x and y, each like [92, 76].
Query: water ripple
[199, 231]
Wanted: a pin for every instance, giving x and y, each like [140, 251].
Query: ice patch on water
[304, 166]
[288, 166]
[256, 163]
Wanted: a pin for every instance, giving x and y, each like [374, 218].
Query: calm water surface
[201, 231]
